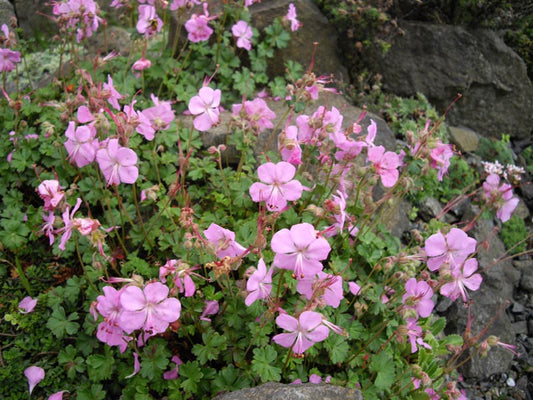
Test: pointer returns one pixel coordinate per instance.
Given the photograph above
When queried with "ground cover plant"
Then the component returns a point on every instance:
(138, 264)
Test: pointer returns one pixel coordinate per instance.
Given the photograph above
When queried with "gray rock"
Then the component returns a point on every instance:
(279, 391)
(465, 139)
(429, 208)
(441, 61)
(6, 12)
(33, 17)
(315, 28)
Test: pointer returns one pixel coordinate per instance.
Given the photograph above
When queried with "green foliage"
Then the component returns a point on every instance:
(492, 150)
(514, 235)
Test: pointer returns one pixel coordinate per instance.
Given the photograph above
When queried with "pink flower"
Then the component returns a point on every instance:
(8, 59)
(118, 164)
(160, 116)
(451, 249)
(198, 28)
(289, 147)
(141, 64)
(355, 289)
(114, 96)
(224, 241)
(259, 285)
(291, 17)
(109, 307)
(173, 373)
(205, 106)
(440, 158)
(211, 308)
(322, 286)
(255, 115)
(27, 305)
(51, 193)
(418, 297)
(149, 22)
(34, 375)
(463, 276)
(243, 32)
(304, 331)
(300, 250)
(277, 186)
(81, 144)
(501, 197)
(68, 219)
(414, 332)
(149, 309)
(385, 163)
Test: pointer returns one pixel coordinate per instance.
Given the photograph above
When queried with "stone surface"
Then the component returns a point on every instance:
(6, 12)
(315, 28)
(279, 391)
(466, 140)
(33, 17)
(441, 61)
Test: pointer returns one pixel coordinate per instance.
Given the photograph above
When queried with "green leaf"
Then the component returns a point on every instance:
(93, 392)
(214, 344)
(155, 360)
(100, 367)
(337, 347)
(383, 365)
(438, 326)
(263, 364)
(59, 324)
(192, 372)
(454, 340)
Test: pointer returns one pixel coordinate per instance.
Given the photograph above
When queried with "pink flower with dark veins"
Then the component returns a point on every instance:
(277, 185)
(463, 277)
(418, 297)
(118, 164)
(205, 106)
(300, 250)
(303, 332)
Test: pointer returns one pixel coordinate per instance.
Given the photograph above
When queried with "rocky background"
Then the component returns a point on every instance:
(439, 61)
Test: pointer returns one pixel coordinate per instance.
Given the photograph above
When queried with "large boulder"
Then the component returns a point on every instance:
(6, 12)
(279, 391)
(33, 17)
(441, 61)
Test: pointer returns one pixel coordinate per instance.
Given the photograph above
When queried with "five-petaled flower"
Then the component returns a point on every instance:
(277, 186)
(205, 107)
(303, 332)
(259, 285)
(118, 164)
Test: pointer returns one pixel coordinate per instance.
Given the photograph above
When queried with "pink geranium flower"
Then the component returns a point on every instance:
(451, 249)
(418, 297)
(325, 287)
(81, 144)
(501, 197)
(440, 158)
(463, 277)
(255, 115)
(118, 164)
(34, 375)
(259, 285)
(292, 18)
(289, 147)
(277, 186)
(211, 308)
(148, 308)
(205, 106)
(149, 22)
(114, 95)
(8, 59)
(198, 28)
(385, 163)
(303, 332)
(223, 241)
(27, 305)
(68, 221)
(300, 250)
(51, 193)
(110, 308)
(141, 64)
(414, 332)
(243, 32)
(156, 118)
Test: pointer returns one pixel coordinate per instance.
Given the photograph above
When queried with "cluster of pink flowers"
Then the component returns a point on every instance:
(132, 308)
(84, 15)
(198, 26)
(254, 115)
(449, 255)
(8, 57)
(149, 22)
